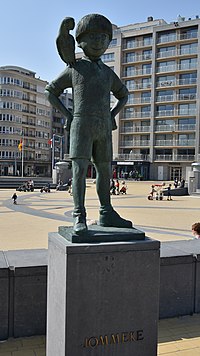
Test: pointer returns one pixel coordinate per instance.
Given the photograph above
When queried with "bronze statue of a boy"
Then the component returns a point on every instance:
(92, 121)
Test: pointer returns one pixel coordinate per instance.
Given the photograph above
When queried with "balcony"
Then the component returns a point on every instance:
(169, 83)
(165, 128)
(166, 39)
(177, 52)
(175, 158)
(177, 67)
(172, 143)
(163, 98)
(186, 127)
(137, 114)
(172, 128)
(189, 81)
(187, 36)
(186, 51)
(165, 113)
(133, 129)
(163, 158)
(166, 54)
(166, 83)
(134, 143)
(164, 143)
(131, 157)
(190, 142)
(137, 86)
(187, 66)
(186, 96)
(179, 97)
(164, 68)
(136, 44)
(145, 100)
(137, 72)
(143, 57)
(180, 112)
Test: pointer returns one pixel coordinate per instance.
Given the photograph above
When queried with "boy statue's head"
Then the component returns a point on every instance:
(93, 35)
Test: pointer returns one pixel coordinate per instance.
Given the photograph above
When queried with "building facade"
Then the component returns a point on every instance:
(158, 130)
(27, 124)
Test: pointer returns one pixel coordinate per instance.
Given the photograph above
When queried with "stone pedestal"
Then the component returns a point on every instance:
(102, 298)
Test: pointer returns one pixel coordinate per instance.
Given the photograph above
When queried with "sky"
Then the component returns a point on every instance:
(29, 27)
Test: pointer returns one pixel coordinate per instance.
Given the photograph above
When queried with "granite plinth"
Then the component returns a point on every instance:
(102, 298)
(28, 289)
(96, 234)
(4, 297)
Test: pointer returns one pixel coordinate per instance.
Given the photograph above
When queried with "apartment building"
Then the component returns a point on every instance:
(158, 130)
(26, 116)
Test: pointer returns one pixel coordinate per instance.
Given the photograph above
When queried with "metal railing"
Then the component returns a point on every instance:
(184, 127)
(131, 157)
(175, 158)
(135, 129)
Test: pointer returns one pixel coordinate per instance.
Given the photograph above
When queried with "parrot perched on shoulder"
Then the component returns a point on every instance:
(65, 41)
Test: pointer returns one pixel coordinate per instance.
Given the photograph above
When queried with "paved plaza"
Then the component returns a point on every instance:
(26, 226)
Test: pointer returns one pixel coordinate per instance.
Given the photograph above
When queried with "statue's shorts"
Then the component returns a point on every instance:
(91, 138)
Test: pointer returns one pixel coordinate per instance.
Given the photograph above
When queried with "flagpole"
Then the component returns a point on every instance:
(53, 153)
(22, 153)
(22, 158)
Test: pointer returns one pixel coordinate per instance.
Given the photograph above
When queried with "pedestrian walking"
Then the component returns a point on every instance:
(169, 197)
(14, 197)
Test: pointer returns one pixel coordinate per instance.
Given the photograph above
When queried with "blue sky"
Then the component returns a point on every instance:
(29, 27)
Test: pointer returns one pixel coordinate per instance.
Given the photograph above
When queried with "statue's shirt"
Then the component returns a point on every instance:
(92, 83)
(91, 127)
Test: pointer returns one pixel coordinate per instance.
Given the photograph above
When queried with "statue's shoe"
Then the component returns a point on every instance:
(80, 225)
(113, 219)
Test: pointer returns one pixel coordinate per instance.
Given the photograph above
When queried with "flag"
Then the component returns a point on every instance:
(50, 142)
(20, 145)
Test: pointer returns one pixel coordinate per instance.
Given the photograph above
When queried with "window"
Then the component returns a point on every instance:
(164, 137)
(188, 48)
(108, 57)
(146, 83)
(167, 36)
(146, 97)
(188, 78)
(186, 139)
(130, 84)
(146, 111)
(187, 121)
(147, 54)
(186, 124)
(147, 40)
(189, 33)
(187, 94)
(166, 66)
(130, 43)
(146, 69)
(166, 80)
(128, 126)
(165, 122)
(187, 109)
(165, 110)
(113, 43)
(129, 57)
(166, 51)
(129, 71)
(130, 99)
(189, 63)
(129, 112)
(165, 95)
